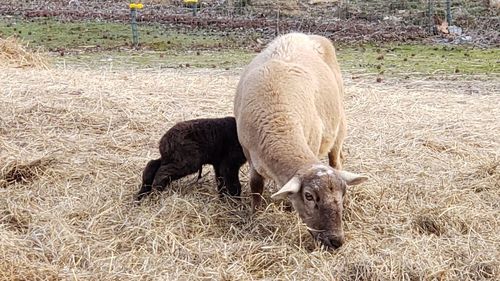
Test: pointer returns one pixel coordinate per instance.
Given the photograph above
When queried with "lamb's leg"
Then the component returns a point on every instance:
(148, 176)
(231, 181)
(170, 172)
(219, 179)
(257, 187)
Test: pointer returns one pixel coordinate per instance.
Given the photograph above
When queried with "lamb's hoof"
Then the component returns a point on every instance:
(225, 193)
(138, 198)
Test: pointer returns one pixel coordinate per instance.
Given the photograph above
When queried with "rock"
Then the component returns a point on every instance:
(464, 39)
(455, 30)
(392, 19)
(312, 2)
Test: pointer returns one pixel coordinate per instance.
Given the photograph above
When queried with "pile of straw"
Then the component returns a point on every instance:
(13, 52)
(78, 141)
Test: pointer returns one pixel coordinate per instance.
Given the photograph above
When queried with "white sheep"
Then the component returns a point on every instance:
(289, 113)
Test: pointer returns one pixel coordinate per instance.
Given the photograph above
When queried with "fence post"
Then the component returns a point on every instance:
(133, 22)
(278, 21)
(346, 9)
(135, 36)
(193, 4)
(448, 12)
(430, 12)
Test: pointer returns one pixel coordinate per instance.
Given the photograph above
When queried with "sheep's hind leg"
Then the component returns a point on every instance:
(219, 179)
(170, 172)
(148, 176)
(257, 187)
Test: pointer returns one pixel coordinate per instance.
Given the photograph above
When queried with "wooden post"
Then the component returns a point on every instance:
(430, 14)
(448, 12)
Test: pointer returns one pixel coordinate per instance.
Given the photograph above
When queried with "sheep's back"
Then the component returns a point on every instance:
(205, 139)
(289, 101)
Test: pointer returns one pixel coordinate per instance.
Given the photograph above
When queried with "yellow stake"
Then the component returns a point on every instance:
(136, 6)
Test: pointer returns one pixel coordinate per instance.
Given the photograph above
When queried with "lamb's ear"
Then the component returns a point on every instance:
(352, 178)
(292, 186)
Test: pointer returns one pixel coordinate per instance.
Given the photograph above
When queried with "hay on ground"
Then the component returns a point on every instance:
(428, 212)
(13, 52)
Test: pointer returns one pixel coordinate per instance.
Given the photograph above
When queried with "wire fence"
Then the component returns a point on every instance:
(342, 20)
(424, 13)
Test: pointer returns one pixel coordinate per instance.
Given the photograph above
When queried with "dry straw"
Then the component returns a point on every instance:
(13, 52)
(74, 142)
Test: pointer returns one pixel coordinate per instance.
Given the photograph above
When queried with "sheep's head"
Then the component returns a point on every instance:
(317, 195)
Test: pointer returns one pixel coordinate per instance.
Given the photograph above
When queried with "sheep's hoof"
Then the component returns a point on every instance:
(256, 203)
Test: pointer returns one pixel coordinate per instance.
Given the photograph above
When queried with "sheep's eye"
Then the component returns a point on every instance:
(309, 196)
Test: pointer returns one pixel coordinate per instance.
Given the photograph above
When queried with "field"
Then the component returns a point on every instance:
(74, 142)
(78, 124)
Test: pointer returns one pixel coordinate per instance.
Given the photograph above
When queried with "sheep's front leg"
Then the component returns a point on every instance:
(148, 176)
(257, 187)
(335, 158)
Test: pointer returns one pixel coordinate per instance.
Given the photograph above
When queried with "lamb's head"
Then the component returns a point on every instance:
(317, 194)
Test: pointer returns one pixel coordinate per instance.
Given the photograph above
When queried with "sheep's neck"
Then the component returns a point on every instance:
(286, 159)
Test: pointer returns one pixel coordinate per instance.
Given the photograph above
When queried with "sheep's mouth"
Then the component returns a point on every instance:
(328, 240)
(314, 231)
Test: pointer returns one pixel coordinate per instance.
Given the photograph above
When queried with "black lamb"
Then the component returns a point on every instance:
(187, 146)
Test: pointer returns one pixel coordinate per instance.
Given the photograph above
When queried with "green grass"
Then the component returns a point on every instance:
(163, 47)
(52, 34)
(420, 59)
(202, 59)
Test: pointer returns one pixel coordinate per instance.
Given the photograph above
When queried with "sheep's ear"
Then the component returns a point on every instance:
(292, 186)
(352, 178)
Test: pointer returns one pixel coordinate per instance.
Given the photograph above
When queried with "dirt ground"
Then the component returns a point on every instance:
(73, 143)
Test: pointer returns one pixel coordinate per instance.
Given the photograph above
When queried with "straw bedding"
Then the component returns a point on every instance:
(73, 143)
(15, 52)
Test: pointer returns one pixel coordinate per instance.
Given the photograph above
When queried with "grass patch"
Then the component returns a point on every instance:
(420, 59)
(52, 34)
(103, 43)
(153, 59)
